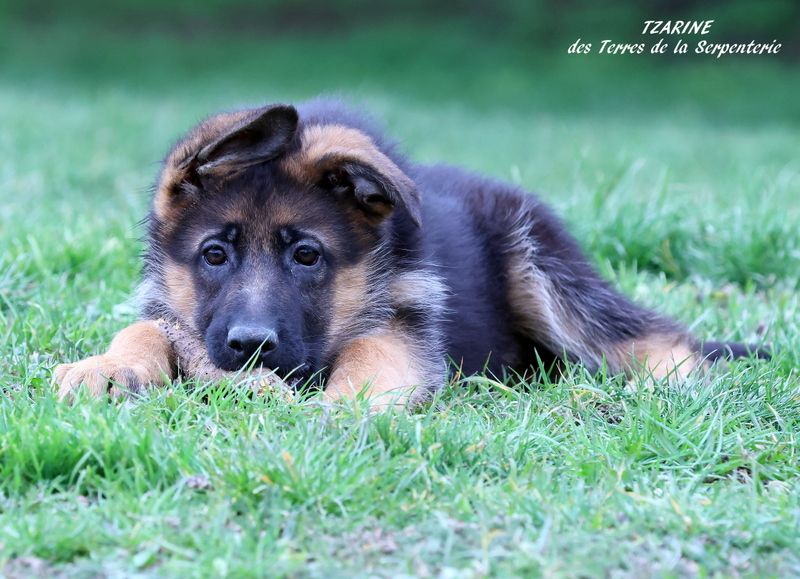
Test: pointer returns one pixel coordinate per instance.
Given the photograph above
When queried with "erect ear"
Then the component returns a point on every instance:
(253, 140)
(377, 188)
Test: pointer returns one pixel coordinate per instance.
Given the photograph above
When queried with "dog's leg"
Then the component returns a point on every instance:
(140, 355)
(593, 324)
(382, 367)
(562, 304)
(658, 355)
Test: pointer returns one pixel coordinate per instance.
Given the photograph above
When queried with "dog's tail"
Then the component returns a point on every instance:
(713, 351)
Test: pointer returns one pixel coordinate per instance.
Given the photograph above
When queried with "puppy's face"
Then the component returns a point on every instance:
(265, 240)
(264, 254)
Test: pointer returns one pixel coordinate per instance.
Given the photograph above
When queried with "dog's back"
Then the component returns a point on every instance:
(522, 289)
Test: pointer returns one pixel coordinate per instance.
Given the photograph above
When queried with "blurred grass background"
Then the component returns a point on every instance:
(500, 54)
(681, 176)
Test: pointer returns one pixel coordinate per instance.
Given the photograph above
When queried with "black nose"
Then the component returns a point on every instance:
(246, 340)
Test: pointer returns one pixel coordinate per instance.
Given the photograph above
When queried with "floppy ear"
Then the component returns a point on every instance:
(221, 145)
(376, 191)
(253, 140)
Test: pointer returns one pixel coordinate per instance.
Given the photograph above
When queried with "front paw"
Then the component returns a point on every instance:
(102, 375)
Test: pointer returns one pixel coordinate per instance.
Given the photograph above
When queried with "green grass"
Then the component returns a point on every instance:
(682, 181)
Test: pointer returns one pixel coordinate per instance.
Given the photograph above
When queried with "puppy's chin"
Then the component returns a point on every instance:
(297, 374)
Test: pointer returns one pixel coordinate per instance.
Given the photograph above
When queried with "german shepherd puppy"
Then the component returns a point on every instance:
(298, 240)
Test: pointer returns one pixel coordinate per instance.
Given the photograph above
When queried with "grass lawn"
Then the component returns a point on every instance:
(683, 181)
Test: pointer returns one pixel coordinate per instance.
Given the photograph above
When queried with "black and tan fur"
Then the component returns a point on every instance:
(417, 268)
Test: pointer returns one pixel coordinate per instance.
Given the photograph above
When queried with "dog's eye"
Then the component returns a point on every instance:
(215, 255)
(305, 255)
(333, 180)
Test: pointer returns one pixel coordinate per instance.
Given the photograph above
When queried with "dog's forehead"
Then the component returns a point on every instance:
(265, 214)
(262, 208)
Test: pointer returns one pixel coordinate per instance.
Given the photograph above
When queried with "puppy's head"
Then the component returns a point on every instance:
(263, 235)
